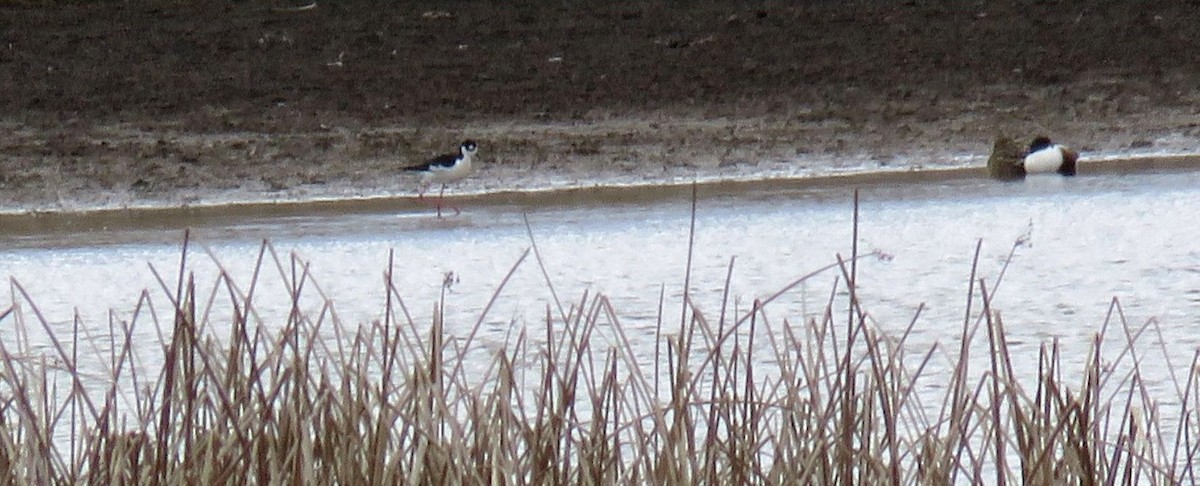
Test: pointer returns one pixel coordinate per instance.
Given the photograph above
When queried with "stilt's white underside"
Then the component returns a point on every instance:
(446, 175)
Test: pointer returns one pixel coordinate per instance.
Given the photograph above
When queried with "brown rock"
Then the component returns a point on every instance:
(1005, 161)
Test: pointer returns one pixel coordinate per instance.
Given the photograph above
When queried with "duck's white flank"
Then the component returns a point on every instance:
(1045, 160)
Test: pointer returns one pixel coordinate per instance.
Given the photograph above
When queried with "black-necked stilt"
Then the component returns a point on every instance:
(445, 169)
(1045, 156)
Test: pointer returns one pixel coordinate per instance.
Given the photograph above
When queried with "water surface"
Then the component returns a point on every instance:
(1076, 245)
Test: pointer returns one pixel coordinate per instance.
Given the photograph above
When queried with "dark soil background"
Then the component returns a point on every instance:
(115, 103)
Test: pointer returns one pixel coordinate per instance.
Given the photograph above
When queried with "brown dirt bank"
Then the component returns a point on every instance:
(178, 102)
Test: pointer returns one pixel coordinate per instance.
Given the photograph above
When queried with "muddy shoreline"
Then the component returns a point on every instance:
(18, 224)
(188, 104)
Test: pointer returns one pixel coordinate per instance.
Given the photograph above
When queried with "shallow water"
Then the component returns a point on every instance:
(1082, 242)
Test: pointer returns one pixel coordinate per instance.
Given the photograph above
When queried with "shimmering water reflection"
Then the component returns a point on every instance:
(1066, 248)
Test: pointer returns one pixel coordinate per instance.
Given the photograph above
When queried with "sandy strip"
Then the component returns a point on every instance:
(16, 224)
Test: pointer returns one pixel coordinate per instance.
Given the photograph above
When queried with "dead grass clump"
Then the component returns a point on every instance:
(731, 396)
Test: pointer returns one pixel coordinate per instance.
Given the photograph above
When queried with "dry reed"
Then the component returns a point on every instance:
(833, 401)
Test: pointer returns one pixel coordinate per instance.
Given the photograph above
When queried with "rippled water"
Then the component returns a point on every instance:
(1083, 242)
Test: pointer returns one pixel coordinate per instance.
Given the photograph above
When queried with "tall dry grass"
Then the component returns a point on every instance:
(833, 400)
